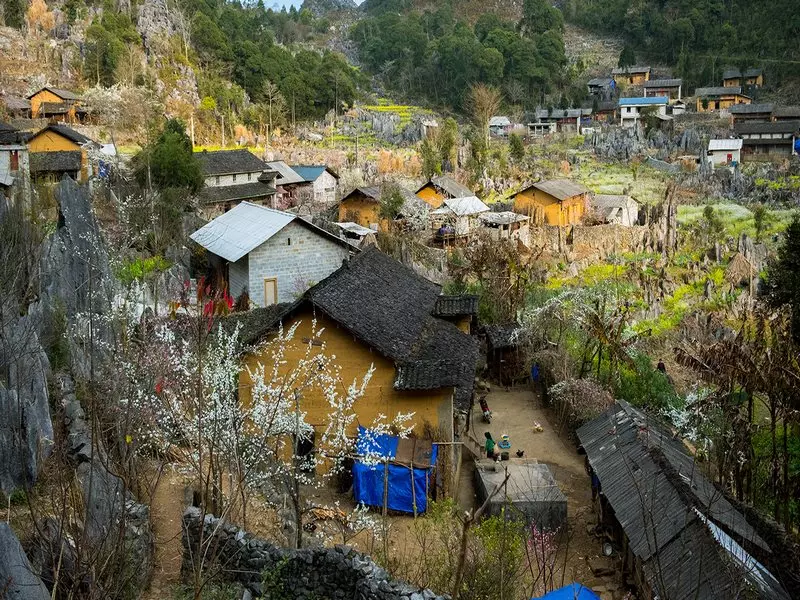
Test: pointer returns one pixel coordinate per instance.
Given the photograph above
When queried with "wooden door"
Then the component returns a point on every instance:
(270, 291)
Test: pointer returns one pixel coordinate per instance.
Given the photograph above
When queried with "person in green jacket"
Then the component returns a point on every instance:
(490, 444)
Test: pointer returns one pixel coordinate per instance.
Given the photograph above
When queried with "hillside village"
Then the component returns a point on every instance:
(267, 332)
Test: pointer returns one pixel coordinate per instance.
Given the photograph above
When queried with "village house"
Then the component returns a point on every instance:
(750, 78)
(631, 75)
(616, 209)
(363, 205)
(568, 119)
(56, 105)
(499, 126)
(786, 113)
(602, 88)
(437, 188)
(58, 150)
(14, 164)
(724, 152)
(355, 234)
(557, 202)
(767, 140)
(270, 255)
(287, 184)
(540, 129)
(16, 107)
(632, 109)
(505, 225)
(231, 177)
(751, 112)
(671, 88)
(457, 218)
(711, 99)
(320, 183)
(376, 312)
(605, 111)
(678, 535)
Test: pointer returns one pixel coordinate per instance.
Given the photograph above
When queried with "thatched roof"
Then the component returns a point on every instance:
(739, 270)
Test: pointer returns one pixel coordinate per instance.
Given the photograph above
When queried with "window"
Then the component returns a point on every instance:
(249, 177)
(288, 241)
(216, 180)
(234, 178)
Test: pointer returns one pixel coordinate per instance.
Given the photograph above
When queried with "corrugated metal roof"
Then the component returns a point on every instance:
(732, 144)
(286, 175)
(611, 201)
(354, 228)
(642, 101)
(718, 91)
(241, 230)
(499, 122)
(503, 218)
(601, 82)
(462, 207)
(310, 173)
(654, 486)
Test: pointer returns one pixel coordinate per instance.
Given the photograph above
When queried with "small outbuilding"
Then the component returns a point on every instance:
(499, 126)
(458, 216)
(505, 225)
(724, 152)
(531, 492)
(618, 210)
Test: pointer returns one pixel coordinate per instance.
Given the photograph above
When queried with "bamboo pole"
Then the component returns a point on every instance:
(413, 490)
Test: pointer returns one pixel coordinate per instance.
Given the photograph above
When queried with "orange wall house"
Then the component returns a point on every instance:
(59, 141)
(361, 206)
(434, 407)
(559, 202)
(57, 105)
(437, 189)
(631, 75)
(719, 98)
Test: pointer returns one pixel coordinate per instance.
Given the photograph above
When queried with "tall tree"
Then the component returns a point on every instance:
(784, 275)
(627, 58)
(483, 102)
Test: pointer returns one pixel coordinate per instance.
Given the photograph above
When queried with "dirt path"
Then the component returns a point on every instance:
(166, 510)
(514, 413)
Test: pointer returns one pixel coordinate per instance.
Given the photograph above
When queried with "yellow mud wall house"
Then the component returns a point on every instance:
(712, 99)
(375, 311)
(558, 202)
(57, 150)
(631, 75)
(437, 189)
(361, 206)
(55, 104)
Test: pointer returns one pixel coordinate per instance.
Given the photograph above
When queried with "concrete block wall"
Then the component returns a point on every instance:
(298, 257)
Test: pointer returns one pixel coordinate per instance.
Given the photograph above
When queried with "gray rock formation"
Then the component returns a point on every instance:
(338, 572)
(26, 432)
(321, 8)
(16, 574)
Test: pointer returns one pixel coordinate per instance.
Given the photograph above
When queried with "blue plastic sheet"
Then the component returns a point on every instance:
(368, 479)
(573, 591)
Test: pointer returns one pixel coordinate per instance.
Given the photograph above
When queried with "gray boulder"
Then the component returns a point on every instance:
(26, 431)
(18, 579)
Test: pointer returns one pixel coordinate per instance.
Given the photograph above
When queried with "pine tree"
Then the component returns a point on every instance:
(784, 275)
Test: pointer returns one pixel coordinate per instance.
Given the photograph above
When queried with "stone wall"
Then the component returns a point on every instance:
(584, 240)
(335, 573)
(308, 259)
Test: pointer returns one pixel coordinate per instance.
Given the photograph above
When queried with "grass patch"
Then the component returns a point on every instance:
(737, 219)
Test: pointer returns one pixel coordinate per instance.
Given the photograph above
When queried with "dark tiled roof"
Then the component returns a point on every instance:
(501, 336)
(228, 162)
(8, 134)
(65, 94)
(66, 132)
(561, 189)
(227, 193)
(676, 520)
(16, 104)
(750, 109)
(257, 323)
(456, 306)
(766, 127)
(659, 83)
(601, 81)
(731, 74)
(790, 112)
(55, 162)
(629, 70)
(54, 108)
(390, 308)
(449, 186)
(717, 91)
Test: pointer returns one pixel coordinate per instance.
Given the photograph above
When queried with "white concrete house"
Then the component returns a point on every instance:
(322, 181)
(631, 109)
(14, 164)
(619, 210)
(272, 255)
(724, 152)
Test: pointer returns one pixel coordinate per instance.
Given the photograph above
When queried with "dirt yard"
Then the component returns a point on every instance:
(515, 413)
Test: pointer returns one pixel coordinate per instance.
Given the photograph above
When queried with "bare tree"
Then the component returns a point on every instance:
(483, 102)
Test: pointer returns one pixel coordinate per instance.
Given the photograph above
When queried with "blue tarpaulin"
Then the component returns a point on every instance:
(573, 591)
(368, 479)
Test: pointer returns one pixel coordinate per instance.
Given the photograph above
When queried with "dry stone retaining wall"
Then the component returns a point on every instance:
(268, 571)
